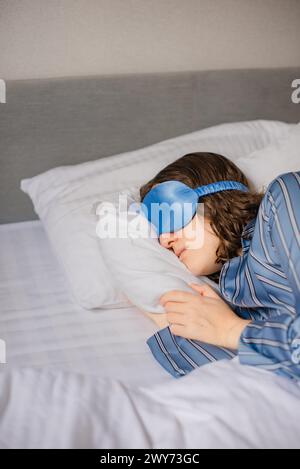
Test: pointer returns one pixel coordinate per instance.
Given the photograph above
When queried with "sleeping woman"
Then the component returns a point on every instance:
(250, 247)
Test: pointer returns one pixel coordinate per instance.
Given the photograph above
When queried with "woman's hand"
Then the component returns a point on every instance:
(205, 317)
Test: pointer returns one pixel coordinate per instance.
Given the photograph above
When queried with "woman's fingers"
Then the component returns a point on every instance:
(175, 295)
(177, 329)
(205, 290)
(176, 318)
(182, 296)
(172, 306)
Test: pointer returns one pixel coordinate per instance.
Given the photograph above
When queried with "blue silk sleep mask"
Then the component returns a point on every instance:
(171, 205)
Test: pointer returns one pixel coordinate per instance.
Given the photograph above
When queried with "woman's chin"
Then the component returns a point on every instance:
(192, 269)
(195, 269)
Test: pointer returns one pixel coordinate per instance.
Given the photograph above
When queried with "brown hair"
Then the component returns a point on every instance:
(228, 211)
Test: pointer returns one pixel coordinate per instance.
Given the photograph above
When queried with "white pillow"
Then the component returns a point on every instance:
(282, 156)
(143, 269)
(63, 197)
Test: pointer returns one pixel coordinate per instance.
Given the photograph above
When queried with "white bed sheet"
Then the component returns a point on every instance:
(224, 405)
(43, 327)
(81, 379)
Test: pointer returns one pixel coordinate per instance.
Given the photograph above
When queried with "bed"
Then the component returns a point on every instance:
(85, 377)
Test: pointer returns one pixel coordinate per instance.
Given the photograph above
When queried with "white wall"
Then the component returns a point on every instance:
(47, 38)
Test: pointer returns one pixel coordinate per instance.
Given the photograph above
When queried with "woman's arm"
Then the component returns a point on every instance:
(205, 317)
(275, 343)
(270, 343)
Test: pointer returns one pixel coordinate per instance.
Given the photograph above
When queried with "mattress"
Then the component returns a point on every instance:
(43, 327)
(80, 379)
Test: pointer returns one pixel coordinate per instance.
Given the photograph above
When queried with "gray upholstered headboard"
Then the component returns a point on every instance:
(46, 123)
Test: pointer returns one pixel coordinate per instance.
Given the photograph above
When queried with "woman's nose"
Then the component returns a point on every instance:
(166, 239)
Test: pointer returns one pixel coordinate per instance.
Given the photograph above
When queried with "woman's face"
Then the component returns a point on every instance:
(195, 245)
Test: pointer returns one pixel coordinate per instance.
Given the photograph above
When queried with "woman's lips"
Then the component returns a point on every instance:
(182, 252)
(178, 253)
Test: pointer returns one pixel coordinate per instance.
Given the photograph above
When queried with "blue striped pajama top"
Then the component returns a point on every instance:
(263, 284)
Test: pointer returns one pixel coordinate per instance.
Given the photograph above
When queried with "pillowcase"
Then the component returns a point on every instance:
(282, 156)
(64, 197)
(143, 269)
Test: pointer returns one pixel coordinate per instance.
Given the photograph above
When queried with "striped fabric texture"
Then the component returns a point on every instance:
(263, 284)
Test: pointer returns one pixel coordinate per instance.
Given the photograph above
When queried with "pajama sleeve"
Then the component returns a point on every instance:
(275, 343)
(179, 356)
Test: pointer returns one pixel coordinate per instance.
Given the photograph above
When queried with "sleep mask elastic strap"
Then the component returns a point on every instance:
(220, 186)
